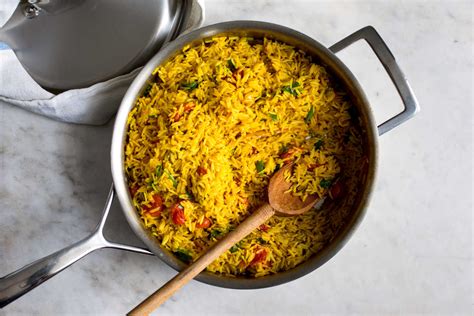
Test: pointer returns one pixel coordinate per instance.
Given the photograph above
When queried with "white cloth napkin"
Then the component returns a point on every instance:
(93, 105)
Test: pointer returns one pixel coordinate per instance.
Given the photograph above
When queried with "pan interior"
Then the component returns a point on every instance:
(320, 55)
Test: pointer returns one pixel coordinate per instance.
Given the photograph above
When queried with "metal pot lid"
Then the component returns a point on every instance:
(70, 44)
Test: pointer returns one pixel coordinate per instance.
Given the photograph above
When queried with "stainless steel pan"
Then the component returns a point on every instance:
(18, 283)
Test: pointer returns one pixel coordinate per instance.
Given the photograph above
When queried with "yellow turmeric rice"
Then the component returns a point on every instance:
(214, 124)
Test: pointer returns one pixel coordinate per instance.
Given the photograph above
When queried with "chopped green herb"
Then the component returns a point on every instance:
(183, 196)
(325, 184)
(150, 184)
(260, 165)
(231, 65)
(170, 176)
(236, 247)
(283, 149)
(190, 85)
(190, 196)
(310, 115)
(318, 144)
(273, 116)
(291, 88)
(262, 241)
(215, 233)
(159, 171)
(183, 255)
(147, 89)
(186, 196)
(287, 89)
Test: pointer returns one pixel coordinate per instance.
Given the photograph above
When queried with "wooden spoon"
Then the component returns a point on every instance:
(280, 203)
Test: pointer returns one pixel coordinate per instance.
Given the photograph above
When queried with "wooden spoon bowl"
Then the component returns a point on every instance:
(284, 203)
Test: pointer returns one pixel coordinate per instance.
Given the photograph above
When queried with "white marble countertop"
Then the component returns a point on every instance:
(411, 255)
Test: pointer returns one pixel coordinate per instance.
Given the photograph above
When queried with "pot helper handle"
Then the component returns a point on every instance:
(370, 35)
(18, 283)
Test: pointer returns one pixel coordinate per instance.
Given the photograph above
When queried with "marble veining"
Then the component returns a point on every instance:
(412, 254)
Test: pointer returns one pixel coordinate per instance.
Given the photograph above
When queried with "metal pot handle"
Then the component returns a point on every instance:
(18, 283)
(370, 35)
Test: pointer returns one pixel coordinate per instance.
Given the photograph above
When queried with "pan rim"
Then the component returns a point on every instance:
(119, 137)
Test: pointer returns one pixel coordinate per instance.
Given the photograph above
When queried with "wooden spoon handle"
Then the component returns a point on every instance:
(246, 227)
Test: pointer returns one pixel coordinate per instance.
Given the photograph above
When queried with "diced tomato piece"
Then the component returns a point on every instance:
(155, 207)
(201, 171)
(336, 190)
(176, 117)
(133, 190)
(155, 213)
(177, 214)
(157, 201)
(287, 157)
(206, 223)
(260, 256)
(188, 107)
(264, 228)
